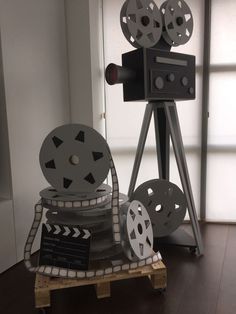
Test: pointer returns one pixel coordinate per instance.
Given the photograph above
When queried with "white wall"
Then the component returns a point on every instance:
(7, 233)
(36, 85)
(7, 228)
(5, 177)
(53, 74)
(85, 61)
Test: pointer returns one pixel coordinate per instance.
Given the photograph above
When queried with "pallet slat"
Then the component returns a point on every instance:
(103, 290)
(43, 285)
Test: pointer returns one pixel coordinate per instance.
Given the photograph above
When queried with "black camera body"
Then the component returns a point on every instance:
(158, 75)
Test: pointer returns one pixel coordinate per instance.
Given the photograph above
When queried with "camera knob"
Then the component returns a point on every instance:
(171, 77)
(184, 81)
(159, 83)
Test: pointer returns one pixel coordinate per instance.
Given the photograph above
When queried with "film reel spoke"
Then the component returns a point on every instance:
(189, 26)
(139, 4)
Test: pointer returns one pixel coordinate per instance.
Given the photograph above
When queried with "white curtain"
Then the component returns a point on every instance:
(124, 119)
(221, 174)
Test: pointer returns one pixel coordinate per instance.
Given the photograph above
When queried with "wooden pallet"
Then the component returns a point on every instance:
(44, 285)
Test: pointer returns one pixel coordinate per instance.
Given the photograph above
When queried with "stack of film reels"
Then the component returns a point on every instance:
(87, 221)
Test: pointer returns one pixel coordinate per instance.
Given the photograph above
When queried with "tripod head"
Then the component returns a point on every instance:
(152, 72)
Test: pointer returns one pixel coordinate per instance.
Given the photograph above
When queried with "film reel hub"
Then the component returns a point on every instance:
(74, 160)
(145, 20)
(179, 20)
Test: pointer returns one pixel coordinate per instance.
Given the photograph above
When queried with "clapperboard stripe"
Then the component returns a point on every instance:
(66, 231)
(76, 233)
(48, 228)
(65, 246)
(58, 230)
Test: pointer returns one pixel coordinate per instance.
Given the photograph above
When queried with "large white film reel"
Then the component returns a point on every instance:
(177, 22)
(75, 158)
(141, 23)
(138, 242)
(165, 204)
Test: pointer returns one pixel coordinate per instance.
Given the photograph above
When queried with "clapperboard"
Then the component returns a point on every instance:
(65, 246)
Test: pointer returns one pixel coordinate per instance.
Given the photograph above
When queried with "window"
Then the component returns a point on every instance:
(221, 174)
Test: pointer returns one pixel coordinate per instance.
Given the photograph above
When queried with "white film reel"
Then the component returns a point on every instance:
(77, 201)
(177, 22)
(141, 23)
(75, 159)
(165, 204)
(138, 242)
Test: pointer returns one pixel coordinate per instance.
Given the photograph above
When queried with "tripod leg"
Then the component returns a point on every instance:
(140, 148)
(162, 134)
(173, 121)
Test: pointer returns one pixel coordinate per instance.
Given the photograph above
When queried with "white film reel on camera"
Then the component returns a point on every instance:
(143, 24)
(177, 22)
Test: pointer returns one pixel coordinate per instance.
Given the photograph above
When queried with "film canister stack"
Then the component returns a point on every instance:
(88, 222)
